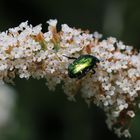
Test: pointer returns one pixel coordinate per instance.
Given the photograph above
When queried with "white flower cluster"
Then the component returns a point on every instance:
(27, 52)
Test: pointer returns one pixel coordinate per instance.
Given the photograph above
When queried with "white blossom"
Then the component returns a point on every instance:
(27, 52)
(52, 22)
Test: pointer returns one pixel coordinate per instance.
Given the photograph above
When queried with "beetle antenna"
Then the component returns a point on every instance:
(70, 57)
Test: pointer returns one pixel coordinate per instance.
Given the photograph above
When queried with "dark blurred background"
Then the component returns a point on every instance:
(40, 114)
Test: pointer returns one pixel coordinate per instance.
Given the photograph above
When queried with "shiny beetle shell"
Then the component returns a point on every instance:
(82, 65)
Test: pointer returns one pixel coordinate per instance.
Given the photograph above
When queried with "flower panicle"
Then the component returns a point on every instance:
(27, 52)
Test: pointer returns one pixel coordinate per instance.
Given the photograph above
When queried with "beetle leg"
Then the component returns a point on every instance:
(70, 57)
(93, 71)
(95, 65)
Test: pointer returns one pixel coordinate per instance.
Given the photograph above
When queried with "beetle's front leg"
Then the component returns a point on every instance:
(70, 57)
(93, 71)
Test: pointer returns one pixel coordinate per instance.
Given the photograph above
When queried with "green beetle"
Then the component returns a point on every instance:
(82, 65)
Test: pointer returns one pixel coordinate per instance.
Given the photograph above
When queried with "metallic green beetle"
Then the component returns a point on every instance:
(82, 65)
